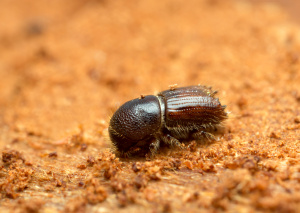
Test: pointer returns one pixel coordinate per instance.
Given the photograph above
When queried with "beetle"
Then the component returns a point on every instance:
(174, 115)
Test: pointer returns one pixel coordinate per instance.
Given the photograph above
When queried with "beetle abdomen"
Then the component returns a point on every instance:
(192, 106)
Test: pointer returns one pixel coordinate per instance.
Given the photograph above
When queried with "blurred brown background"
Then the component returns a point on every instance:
(65, 66)
(291, 7)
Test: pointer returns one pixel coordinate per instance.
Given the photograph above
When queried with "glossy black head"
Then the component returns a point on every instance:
(134, 121)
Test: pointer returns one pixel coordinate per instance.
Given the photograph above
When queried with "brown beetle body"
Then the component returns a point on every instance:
(186, 113)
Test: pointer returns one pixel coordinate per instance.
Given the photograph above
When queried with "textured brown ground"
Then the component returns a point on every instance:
(66, 65)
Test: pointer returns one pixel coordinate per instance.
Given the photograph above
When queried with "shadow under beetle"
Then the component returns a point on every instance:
(185, 113)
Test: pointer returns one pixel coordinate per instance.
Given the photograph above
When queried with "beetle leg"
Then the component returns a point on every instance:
(154, 146)
(168, 139)
(201, 134)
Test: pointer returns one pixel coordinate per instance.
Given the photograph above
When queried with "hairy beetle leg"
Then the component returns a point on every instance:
(201, 134)
(154, 146)
(168, 139)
